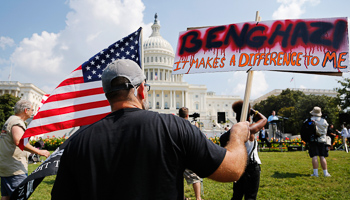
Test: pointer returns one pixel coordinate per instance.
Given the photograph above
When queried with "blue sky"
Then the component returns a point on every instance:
(45, 40)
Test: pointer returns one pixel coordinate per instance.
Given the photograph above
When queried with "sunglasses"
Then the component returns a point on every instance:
(148, 87)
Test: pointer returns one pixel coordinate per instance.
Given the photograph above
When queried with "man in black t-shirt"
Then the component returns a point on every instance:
(331, 133)
(137, 154)
(190, 176)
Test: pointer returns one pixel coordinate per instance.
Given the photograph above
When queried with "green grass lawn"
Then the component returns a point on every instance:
(285, 175)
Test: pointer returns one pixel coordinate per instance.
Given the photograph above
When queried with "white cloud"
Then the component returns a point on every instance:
(37, 53)
(302, 87)
(6, 41)
(46, 59)
(259, 86)
(292, 9)
(239, 81)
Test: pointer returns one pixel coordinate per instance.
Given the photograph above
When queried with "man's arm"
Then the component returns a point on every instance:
(260, 122)
(234, 163)
(17, 133)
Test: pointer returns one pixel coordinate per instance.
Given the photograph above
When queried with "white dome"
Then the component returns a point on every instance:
(156, 41)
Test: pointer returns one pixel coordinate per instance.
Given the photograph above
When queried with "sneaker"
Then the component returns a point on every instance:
(327, 175)
(315, 175)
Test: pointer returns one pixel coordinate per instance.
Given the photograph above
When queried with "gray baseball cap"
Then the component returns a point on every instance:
(122, 68)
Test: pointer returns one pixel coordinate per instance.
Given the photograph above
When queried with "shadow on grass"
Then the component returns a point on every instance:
(50, 182)
(286, 175)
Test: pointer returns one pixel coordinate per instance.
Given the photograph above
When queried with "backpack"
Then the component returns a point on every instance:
(308, 130)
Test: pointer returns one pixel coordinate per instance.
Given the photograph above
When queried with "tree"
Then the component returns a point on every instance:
(330, 109)
(344, 93)
(294, 107)
(7, 102)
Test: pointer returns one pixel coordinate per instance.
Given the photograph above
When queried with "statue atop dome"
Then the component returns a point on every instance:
(155, 27)
(155, 18)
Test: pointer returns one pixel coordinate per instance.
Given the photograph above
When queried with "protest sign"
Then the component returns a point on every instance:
(304, 45)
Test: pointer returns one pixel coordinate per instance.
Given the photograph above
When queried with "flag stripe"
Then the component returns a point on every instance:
(69, 102)
(69, 116)
(75, 87)
(64, 124)
(71, 81)
(75, 94)
(70, 109)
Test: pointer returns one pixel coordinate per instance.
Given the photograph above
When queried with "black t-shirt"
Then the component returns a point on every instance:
(329, 131)
(134, 154)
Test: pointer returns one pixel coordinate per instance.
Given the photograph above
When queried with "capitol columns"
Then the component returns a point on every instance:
(202, 102)
(186, 98)
(154, 100)
(183, 99)
(171, 99)
(174, 99)
(162, 106)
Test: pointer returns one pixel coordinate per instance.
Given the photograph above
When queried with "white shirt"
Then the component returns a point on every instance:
(249, 145)
(344, 132)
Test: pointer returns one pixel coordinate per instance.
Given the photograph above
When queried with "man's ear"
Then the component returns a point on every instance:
(141, 91)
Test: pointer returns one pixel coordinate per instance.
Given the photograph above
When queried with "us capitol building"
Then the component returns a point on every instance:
(168, 92)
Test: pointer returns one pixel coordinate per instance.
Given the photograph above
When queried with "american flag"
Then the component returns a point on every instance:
(79, 99)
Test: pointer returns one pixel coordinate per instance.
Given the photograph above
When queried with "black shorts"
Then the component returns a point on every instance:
(318, 149)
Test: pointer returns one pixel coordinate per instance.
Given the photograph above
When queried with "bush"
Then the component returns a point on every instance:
(215, 140)
(338, 141)
(51, 144)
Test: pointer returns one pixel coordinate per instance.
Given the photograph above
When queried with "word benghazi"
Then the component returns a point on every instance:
(289, 34)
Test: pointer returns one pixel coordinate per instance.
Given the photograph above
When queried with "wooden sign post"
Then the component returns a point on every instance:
(248, 87)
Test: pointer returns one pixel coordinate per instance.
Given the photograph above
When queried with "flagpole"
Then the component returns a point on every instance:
(142, 53)
(248, 87)
(9, 78)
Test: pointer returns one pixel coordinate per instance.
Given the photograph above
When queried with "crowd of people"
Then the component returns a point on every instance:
(134, 153)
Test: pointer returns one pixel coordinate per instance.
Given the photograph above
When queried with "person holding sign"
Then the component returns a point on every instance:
(248, 184)
(134, 153)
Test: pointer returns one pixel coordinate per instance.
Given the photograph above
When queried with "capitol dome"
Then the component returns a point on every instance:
(159, 57)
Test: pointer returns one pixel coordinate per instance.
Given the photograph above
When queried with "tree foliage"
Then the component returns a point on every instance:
(344, 93)
(294, 107)
(7, 102)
